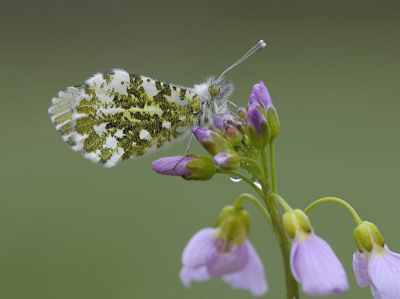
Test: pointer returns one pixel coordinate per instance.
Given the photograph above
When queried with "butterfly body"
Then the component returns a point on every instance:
(117, 115)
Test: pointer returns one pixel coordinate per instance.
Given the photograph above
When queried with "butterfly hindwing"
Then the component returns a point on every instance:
(117, 115)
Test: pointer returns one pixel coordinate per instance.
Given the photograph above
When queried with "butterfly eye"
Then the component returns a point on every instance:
(214, 90)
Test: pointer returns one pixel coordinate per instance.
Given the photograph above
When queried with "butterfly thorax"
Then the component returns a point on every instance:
(213, 95)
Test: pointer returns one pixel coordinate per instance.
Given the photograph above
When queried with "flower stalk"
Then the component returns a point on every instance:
(292, 287)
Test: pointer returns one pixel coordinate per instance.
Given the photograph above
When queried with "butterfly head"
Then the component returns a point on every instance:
(220, 90)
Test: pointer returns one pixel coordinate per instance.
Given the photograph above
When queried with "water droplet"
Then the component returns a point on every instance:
(257, 183)
(235, 179)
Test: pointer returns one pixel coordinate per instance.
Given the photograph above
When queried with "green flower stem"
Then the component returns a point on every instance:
(254, 164)
(246, 151)
(244, 178)
(338, 200)
(292, 287)
(264, 158)
(272, 160)
(255, 175)
(239, 200)
(283, 203)
(257, 156)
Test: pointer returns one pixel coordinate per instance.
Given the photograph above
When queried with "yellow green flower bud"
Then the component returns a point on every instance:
(297, 223)
(368, 237)
(233, 225)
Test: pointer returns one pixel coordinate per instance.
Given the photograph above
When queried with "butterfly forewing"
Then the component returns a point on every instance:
(117, 115)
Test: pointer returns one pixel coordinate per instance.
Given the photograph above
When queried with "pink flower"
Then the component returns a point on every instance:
(312, 260)
(206, 256)
(316, 267)
(380, 270)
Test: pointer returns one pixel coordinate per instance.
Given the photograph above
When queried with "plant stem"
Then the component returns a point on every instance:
(239, 201)
(264, 163)
(272, 159)
(254, 164)
(338, 200)
(292, 287)
(283, 203)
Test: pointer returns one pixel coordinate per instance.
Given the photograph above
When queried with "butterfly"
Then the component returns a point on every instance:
(117, 115)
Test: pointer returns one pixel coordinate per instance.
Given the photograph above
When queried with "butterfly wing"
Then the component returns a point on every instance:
(117, 115)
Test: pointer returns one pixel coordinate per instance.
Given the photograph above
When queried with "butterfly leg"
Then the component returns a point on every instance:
(233, 104)
(187, 150)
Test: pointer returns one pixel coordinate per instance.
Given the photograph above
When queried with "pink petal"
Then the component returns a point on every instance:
(384, 273)
(375, 293)
(316, 267)
(360, 267)
(199, 249)
(187, 275)
(252, 277)
(229, 262)
(169, 166)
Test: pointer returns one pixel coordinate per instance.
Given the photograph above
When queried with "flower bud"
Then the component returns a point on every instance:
(367, 237)
(233, 225)
(260, 96)
(201, 168)
(228, 160)
(219, 122)
(212, 142)
(191, 167)
(232, 133)
(296, 223)
(246, 140)
(258, 129)
(273, 121)
(240, 127)
(241, 112)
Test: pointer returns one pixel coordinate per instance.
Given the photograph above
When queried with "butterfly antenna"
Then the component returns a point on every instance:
(257, 47)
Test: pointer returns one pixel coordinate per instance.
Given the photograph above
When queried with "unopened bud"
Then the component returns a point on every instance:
(241, 112)
(211, 141)
(201, 168)
(228, 160)
(240, 127)
(233, 225)
(368, 237)
(297, 223)
(257, 128)
(273, 121)
(232, 133)
(190, 167)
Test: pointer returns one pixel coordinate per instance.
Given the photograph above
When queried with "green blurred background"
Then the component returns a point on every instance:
(70, 229)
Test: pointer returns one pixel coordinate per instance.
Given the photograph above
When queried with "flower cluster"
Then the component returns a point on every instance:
(238, 141)
(248, 130)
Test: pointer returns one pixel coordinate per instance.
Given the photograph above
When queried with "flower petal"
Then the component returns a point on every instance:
(200, 249)
(255, 119)
(260, 96)
(166, 166)
(375, 293)
(219, 122)
(252, 277)
(229, 262)
(316, 267)
(384, 273)
(187, 275)
(360, 267)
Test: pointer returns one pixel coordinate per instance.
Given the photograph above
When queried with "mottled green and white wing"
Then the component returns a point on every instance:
(117, 115)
